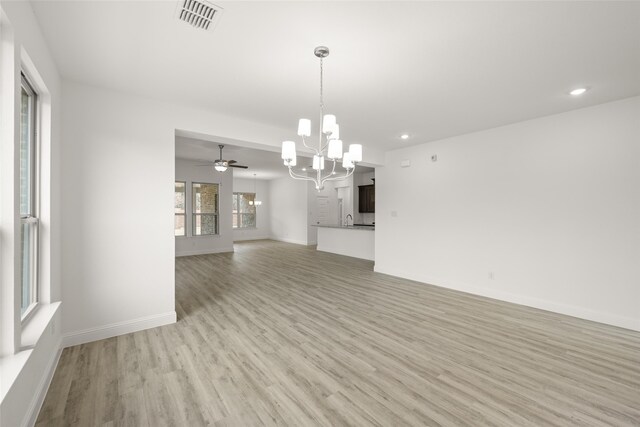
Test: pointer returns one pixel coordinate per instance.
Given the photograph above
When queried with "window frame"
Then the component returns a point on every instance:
(238, 214)
(181, 214)
(194, 215)
(31, 218)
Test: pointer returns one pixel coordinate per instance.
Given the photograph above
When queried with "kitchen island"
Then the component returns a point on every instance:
(356, 240)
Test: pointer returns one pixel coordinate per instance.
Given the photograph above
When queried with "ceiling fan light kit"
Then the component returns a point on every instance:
(328, 141)
(221, 165)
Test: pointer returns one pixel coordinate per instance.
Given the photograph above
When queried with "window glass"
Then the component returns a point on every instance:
(180, 199)
(204, 202)
(28, 215)
(26, 150)
(244, 210)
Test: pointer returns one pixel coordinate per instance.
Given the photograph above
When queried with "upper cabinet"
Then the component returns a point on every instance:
(367, 198)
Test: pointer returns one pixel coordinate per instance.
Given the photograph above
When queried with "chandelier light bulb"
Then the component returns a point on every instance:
(335, 133)
(328, 123)
(346, 161)
(288, 150)
(355, 152)
(318, 162)
(335, 149)
(304, 127)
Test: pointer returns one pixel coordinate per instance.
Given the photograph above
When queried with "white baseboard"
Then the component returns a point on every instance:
(248, 238)
(287, 240)
(555, 307)
(204, 251)
(119, 328)
(43, 386)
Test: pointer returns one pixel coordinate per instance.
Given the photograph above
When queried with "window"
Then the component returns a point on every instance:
(28, 200)
(180, 198)
(204, 201)
(244, 211)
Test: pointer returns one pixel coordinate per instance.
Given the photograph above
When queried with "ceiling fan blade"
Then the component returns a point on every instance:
(232, 161)
(238, 166)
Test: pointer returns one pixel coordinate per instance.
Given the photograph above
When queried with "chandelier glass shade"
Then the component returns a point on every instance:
(329, 149)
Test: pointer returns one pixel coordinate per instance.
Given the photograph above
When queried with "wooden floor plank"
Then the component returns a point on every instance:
(280, 334)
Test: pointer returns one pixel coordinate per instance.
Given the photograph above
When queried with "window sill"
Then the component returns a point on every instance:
(32, 331)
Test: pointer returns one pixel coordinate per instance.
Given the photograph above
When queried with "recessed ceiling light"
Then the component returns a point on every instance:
(404, 136)
(578, 91)
(304, 169)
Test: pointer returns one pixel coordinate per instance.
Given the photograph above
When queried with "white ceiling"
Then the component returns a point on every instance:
(431, 69)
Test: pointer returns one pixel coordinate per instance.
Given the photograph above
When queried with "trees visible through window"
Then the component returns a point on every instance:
(204, 199)
(28, 200)
(244, 210)
(180, 199)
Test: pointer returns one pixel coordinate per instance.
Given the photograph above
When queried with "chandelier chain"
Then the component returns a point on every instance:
(319, 151)
(321, 84)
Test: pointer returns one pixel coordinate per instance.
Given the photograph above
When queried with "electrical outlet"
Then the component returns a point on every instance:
(434, 158)
(394, 214)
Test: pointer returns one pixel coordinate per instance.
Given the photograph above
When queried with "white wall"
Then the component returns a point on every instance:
(26, 368)
(188, 171)
(118, 175)
(263, 219)
(288, 210)
(550, 206)
(118, 250)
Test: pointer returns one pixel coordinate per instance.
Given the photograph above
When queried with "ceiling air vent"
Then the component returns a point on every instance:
(199, 13)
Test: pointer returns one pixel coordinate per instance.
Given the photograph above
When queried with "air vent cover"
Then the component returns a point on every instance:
(199, 13)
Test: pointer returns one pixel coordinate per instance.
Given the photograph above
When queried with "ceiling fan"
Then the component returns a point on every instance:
(221, 164)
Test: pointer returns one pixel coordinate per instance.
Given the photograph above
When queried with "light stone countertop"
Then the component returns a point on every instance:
(350, 227)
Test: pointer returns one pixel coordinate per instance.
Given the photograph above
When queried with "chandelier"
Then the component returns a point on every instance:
(328, 140)
(255, 202)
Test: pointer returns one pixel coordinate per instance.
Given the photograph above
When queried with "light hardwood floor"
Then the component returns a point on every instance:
(279, 334)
